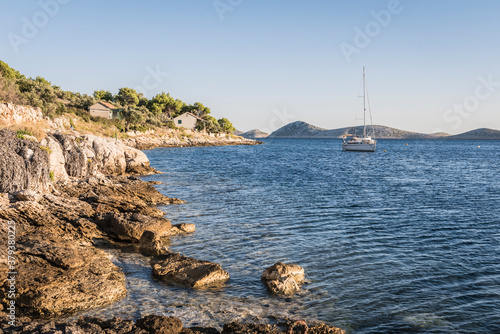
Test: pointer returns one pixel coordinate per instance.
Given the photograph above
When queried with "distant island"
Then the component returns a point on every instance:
(252, 134)
(301, 129)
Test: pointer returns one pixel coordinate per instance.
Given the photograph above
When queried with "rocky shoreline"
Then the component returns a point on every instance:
(63, 197)
(184, 138)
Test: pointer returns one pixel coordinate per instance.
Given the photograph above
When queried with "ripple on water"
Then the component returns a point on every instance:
(395, 242)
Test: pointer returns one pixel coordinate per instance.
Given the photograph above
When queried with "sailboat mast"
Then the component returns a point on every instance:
(364, 103)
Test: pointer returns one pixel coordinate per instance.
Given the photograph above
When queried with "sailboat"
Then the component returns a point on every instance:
(366, 143)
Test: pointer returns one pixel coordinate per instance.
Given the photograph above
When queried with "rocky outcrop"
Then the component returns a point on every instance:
(57, 276)
(283, 279)
(87, 155)
(23, 165)
(60, 272)
(15, 114)
(174, 267)
(57, 159)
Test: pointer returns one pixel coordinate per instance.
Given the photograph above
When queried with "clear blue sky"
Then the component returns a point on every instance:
(264, 63)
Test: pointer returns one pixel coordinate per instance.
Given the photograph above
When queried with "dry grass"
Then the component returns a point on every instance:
(38, 129)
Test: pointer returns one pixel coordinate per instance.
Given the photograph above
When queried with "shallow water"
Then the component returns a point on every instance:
(401, 241)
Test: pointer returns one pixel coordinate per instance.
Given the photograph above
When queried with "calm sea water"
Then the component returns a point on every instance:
(405, 240)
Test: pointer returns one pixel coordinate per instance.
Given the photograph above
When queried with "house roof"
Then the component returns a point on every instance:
(192, 115)
(107, 104)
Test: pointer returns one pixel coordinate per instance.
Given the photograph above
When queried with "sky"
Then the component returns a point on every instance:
(430, 65)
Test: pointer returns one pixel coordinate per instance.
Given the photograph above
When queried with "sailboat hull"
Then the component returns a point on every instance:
(359, 147)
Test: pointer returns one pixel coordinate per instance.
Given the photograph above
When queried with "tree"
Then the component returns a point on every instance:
(103, 95)
(211, 124)
(197, 109)
(128, 97)
(133, 116)
(8, 72)
(165, 105)
(226, 125)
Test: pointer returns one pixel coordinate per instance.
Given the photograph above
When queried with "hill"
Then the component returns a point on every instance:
(301, 129)
(479, 134)
(255, 133)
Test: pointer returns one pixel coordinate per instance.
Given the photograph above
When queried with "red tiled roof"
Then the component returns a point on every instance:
(107, 104)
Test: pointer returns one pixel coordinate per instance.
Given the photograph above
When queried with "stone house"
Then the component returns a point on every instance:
(187, 121)
(105, 109)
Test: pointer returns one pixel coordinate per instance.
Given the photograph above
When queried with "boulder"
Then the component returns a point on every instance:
(57, 162)
(181, 229)
(160, 324)
(131, 226)
(174, 267)
(283, 279)
(23, 165)
(136, 161)
(74, 156)
(27, 195)
(151, 245)
(58, 277)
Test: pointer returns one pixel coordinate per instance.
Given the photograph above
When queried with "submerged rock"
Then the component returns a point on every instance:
(283, 279)
(174, 267)
(181, 229)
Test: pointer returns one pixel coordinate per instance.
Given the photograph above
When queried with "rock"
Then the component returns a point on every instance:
(74, 156)
(160, 324)
(27, 195)
(151, 245)
(131, 226)
(173, 267)
(283, 279)
(58, 277)
(137, 162)
(238, 328)
(181, 228)
(23, 165)
(109, 155)
(57, 162)
(15, 114)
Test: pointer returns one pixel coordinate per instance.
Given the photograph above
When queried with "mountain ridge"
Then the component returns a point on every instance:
(300, 129)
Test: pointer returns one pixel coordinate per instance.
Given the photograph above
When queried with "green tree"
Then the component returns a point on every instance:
(8, 72)
(133, 116)
(226, 125)
(211, 124)
(103, 95)
(197, 109)
(165, 105)
(128, 97)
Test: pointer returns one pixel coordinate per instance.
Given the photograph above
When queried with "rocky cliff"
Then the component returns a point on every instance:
(28, 165)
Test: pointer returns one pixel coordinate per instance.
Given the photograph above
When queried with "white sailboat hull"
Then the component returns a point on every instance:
(359, 147)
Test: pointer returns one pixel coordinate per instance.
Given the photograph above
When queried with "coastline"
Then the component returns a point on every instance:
(93, 198)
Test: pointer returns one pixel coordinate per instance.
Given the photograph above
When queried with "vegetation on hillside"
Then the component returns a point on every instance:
(138, 112)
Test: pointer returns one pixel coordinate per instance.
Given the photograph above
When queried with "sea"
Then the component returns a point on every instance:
(403, 240)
